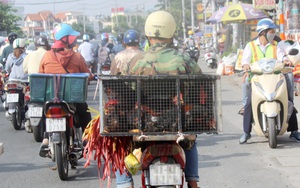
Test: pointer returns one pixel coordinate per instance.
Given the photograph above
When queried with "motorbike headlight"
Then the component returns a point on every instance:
(267, 66)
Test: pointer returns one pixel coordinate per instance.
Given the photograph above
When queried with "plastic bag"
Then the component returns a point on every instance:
(132, 163)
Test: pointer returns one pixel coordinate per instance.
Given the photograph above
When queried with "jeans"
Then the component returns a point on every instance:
(191, 169)
(245, 88)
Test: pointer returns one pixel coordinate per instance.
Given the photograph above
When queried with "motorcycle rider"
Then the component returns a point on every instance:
(14, 63)
(32, 61)
(61, 59)
(161, 58)
(263, 46)
(190, 42)
(131, 42)
(9, 49)
(119, 46)
(104, 50)
(86, 50)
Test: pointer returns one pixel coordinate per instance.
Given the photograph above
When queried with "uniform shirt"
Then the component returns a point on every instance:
(86, 50)
(247, 53)
(120, 62)
(32, 61)
(161, 59)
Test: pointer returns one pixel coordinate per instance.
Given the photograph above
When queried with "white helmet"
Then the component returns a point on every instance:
(85, 37)
(19, 43)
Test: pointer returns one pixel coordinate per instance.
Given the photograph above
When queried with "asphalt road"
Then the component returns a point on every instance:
(223, 162)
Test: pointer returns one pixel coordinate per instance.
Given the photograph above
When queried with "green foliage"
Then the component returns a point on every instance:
(175, 8)
(8, 20)
(80, 28)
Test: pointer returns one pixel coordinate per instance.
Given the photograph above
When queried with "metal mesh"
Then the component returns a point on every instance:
(158, 104)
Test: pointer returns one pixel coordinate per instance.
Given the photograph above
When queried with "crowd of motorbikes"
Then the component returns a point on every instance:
(58, 118)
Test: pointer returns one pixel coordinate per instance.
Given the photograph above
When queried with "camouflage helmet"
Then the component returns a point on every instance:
(160, 24)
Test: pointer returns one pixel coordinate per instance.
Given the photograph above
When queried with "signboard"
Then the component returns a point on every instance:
(264, 4)
(293, 17)
(238, 63)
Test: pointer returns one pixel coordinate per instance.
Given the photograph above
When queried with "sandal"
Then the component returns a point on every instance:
(44, 150)
(241, 112)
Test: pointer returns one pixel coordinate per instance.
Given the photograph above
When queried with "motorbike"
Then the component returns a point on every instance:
(17, 102)
(64, 138)
(161, 122)
(193, 52)
(56, 93)
(270, 106)
(210, 57)
(36, 123)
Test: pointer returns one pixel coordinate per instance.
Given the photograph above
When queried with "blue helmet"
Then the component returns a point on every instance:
(62, 30)
(85, 37)
(264, 24)
(131, 36)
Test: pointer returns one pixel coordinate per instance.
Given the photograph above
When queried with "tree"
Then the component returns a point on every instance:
(175, 8)
(88, 30)
(8, 20)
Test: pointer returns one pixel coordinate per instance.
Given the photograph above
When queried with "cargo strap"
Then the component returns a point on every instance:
(56, 88)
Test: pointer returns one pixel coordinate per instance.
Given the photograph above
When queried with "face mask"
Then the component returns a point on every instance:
(270, 37)
(191, 36)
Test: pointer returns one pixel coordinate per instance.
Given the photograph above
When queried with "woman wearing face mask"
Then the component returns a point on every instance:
(263, 47)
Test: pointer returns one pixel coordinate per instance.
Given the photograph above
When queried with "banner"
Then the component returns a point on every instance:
(264, 4)
(293, 17)
(238, 63)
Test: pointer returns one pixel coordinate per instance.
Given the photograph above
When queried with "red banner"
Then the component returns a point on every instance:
(264, 4)
(119, 9)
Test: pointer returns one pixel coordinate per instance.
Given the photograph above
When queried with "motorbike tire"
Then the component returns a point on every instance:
(38, 131)
(16, 118)
(62, 158)
(272, 136)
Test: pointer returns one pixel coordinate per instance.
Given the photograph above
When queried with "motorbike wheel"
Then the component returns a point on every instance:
(272, 137)
(16, 118)
(38, 131)
(61, 158)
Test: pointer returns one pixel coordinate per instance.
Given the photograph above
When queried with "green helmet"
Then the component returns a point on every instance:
(160, 24)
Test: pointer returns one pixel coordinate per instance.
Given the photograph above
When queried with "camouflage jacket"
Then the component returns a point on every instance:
(161, 59)
(120, 62)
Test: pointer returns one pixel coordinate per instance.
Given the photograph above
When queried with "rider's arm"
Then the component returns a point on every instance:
(247, 56)
(25, 64)
(9, 63)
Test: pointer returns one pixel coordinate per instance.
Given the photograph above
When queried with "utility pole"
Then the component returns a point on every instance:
(183, 20)
(192, 16)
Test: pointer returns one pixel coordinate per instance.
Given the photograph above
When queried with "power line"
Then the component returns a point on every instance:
(44, 3)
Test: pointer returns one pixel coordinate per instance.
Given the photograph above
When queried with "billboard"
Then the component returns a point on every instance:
(264, 4)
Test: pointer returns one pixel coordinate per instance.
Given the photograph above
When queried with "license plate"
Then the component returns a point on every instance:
(165, 174)
(106, 72)
(55, 124)
(12, 98)
(35, 111)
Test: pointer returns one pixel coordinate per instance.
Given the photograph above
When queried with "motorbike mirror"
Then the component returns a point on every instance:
(294, 56)
(293, 51)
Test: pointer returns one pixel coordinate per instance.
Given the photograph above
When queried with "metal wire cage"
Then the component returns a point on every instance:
(153, 105)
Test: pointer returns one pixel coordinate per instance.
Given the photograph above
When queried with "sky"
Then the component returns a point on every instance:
(89, 7)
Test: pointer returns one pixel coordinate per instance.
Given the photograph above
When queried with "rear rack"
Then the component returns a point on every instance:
(159, 105)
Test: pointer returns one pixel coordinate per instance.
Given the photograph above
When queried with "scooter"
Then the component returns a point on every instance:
(270, 106)
(193, 52)
(210, 57)
(17, 102)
